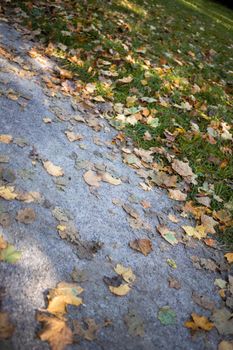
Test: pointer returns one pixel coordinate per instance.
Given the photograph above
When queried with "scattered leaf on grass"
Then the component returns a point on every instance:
(64, 294)
(55, 331)
(126, 273)
(167, 234)
(223, 321)
(26, 216)
(52, 169)
(4, 138)
(89, 331)
(92, 179)
(6, 327)
(184, 170)
(199, 323)
(229, 257)
(7, 193)
(134, 323)
(167, 316)
(122, 290)
(143, 245)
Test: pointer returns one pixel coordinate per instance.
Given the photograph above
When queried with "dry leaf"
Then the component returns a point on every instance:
(63, 294)
(199, 323)
(7, 192)
(106, 177)
(184, 170)
(173, 218)
(73, 137)
(198, 232)
(6, 327)
(142, 245)
(167, 234)
(177, 195)
(209, 223)
(26, 216)
(55, 331)
(174, 283)
(125, 80)
(92, 179)
(52, 169)
(229, 257)
(225, 345)
(47, 120)
(126, 273)
(122, 290)
(4, 138)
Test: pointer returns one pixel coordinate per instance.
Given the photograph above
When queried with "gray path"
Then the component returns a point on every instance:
(47, 259)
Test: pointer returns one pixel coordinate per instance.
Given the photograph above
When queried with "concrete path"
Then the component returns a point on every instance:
(48, 259)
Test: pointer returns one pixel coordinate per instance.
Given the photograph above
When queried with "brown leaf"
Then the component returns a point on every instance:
(203, 301)
(52, 169)
(26, 216)
(92, 179)
(5, 219)
(223, 321)
(134, 323)
(89, 332)
(174, 283)
(6, 327)
(209, 223)
(229, 257)
(131, 211)
(225, 345)
(184, 170)
(199, 323)
(55, 331)
(142, 245)
(72, 136)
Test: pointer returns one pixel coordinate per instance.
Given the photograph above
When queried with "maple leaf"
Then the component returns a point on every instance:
(52, 169)
(55, 331)
(199, 323)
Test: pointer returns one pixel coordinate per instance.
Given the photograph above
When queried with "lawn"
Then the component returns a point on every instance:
(166, 68)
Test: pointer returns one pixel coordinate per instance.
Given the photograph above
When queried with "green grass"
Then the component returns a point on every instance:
(186, 42)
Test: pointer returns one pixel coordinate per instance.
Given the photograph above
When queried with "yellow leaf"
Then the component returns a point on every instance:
(122, 290)
(3, 243)
(199, 322)
(198, 232)
(229, 257)
(7, 192)
(4, 138)
(52, 169)
(62, 295)
(126, 273)
(61, 228)
(55, 331)
(225, 345)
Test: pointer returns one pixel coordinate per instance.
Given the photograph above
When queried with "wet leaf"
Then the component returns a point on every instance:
(55, 331)
(223, 321)
(167, 316)
(199, 323)
(134, 323)
(142, 245)
(26, 216)
(64, 294)
(89, 331)
(6, 327)
(203, 301)
(52, 169)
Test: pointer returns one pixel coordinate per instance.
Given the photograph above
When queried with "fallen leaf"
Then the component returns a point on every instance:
(5, 220)
(4, 138)
(167, 234)
(171, 263)
(92, 179)
(177, 195)
(184, 170)
(52, 169)
(10, 254)
(209, 223)
(196, 232)
(173, 218)
(6, 327)
(47, 120)
(72, 136)
(203, 301)
(64, 294)
(199, 323)
(229, 257)
(126, 273)
(26, 216)
(125, 80)
(223, 321)
(7, 193)
(122, 290)
(167, 316)
(131, 211)
(220, 283)
(143, 245)
(207, 264)
(134, 323)
(90, 330)
(55, 331)
(174, 283)
(225, 345)
(106, 177)
(79, 275)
